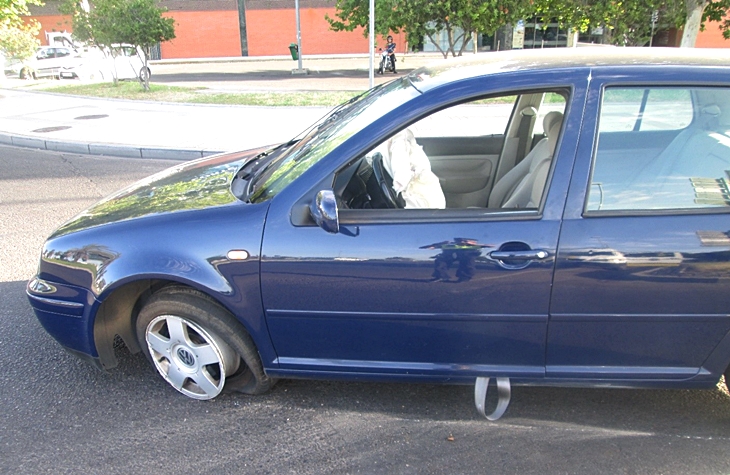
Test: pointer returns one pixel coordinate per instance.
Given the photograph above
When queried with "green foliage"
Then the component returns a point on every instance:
(717, 11)
(421, 18)
(17, 34)
(79, 20)
(352, 14)
(140, 23)
(136, 22)
(628, 22)
(19, 43)
(625, 22)
(109, 22)
(13, 11)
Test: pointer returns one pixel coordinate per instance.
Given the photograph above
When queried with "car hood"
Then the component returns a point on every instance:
(194, 185)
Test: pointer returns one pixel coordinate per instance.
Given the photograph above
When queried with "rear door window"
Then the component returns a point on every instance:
(661, 149)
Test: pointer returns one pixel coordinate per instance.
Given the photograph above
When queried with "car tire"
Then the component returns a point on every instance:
(145, 74)
(27, 73)
(197, 346)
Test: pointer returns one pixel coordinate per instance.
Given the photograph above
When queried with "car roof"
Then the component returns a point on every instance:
(564, 59)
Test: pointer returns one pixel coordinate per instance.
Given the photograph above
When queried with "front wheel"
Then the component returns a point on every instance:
(27, 73)
(197, 346)
(144, 74)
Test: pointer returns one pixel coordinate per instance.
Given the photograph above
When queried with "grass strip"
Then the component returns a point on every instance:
(131, 90)
(284, 99)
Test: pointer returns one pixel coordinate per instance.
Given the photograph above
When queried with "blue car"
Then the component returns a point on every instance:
(553, 217)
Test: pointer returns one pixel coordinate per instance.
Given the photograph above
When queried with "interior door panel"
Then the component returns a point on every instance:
(465, 167)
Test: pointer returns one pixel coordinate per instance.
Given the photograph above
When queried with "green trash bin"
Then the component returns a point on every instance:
(294, 50)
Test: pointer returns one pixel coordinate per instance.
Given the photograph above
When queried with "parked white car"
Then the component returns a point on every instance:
(122, 61)
(48, 62)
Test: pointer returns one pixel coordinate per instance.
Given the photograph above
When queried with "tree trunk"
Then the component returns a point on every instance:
(109, 54)
(463, 38)
(694, 20)
(146, 79)
(438, 46)
(450, 37)
(607, 38)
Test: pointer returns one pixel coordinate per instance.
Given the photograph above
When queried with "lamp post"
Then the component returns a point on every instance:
(299, 69)
(371, 27)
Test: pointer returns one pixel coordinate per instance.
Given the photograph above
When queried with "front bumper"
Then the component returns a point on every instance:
(65, 313)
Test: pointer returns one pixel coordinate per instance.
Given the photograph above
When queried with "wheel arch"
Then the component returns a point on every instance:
(119, 307)
(116, 315)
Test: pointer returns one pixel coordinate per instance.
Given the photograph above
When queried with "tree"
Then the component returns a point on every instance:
(18, 35)
(625, 23)
(421, 18)
(109, 22)
(353, 14)
(718, 12)
(13, 11)
(141, 23)
(459, 18)
(700, 11)
(19, 43)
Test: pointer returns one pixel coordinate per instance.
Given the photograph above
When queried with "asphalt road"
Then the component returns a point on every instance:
(342, 74)
(59, 415)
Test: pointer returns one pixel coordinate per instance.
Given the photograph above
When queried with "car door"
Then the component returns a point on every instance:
(44, 63)
(642, 283)
(423, 293)
(55, 59)
(124, 61)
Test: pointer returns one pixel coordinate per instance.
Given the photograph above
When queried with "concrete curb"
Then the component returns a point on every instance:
(123, 151)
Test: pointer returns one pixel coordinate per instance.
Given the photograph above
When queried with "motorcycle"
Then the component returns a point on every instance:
(386, 62)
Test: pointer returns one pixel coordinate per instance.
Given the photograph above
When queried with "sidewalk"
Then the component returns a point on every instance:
(143, 129)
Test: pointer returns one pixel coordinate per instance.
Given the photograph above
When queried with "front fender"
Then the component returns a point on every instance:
(118, 262)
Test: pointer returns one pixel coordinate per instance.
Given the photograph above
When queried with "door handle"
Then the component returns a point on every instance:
(528, 255)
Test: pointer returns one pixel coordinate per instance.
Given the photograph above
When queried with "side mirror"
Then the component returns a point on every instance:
(324, 211)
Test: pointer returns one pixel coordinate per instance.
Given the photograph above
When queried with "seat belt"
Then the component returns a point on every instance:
(527, 121)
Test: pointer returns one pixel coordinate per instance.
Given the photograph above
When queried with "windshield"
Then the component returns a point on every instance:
(326, 135)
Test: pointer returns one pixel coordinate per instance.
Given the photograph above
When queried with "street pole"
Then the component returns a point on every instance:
(654, 19)
(299, 37)
(371, 27)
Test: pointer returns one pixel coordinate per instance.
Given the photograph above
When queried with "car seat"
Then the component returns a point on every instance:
(515, 188)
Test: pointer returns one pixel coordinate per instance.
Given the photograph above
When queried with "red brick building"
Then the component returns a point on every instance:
(211, 28)
(214, 28)
(711, 38)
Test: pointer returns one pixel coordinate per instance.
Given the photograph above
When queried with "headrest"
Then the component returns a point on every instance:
(551, 119)
(554, 131)
(710, 118)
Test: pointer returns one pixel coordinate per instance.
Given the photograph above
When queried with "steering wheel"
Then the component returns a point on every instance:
(385, 183)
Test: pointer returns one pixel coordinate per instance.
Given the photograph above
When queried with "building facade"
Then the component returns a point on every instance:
(215, 28)
(231, 28)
